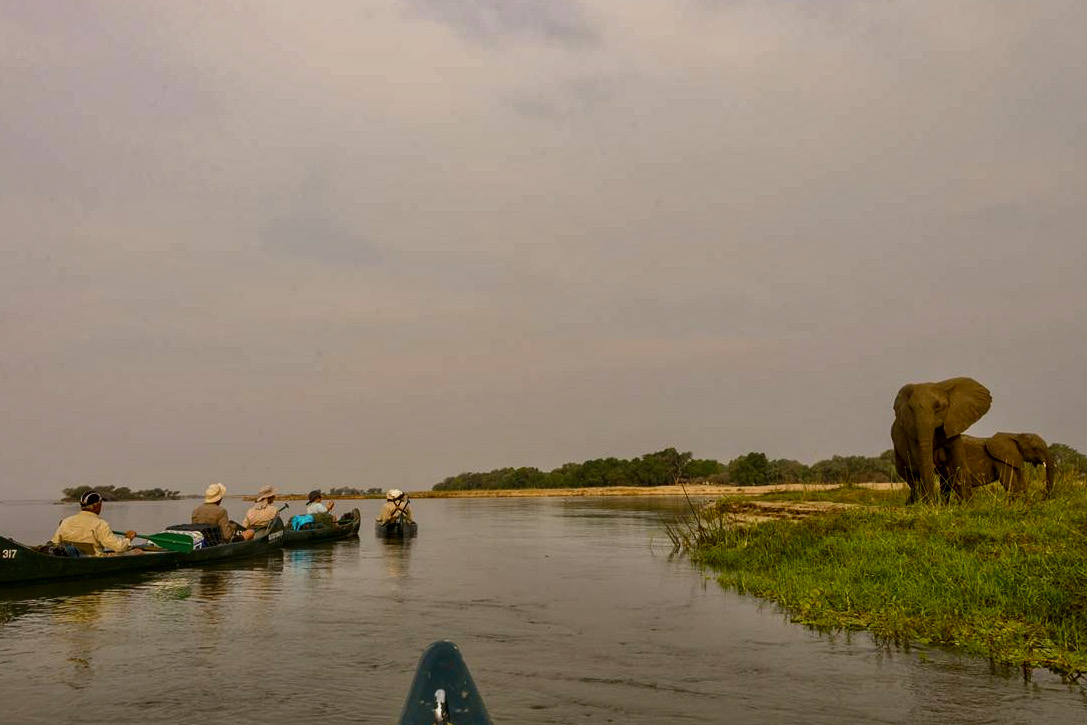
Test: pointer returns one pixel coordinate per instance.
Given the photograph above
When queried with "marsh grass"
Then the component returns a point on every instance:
(995, 577)
(846, 493)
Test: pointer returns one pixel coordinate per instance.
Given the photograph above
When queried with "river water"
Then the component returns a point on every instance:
(566, 610)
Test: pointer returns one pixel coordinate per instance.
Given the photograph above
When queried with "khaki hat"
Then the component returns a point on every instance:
(266, 493)
(393, 494)
(215, 492)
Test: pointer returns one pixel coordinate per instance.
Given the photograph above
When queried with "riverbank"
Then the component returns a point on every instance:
(694, 490)
(1005, 580)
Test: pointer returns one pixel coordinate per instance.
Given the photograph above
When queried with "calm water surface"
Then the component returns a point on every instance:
(567, 611)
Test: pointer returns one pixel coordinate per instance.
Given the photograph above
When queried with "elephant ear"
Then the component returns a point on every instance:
(1002, 447)
(902, 398)
(968, 400)
(1031, 446)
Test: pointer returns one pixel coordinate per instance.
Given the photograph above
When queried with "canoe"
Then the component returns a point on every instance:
(345, 527)
(397, 530)
(21, 564)
(443, 691)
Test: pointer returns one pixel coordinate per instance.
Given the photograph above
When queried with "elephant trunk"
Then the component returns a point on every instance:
(926, 464)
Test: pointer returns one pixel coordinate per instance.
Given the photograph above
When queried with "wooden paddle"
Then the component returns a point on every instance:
(167, 540)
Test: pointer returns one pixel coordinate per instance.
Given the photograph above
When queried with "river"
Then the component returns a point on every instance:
(566, 610)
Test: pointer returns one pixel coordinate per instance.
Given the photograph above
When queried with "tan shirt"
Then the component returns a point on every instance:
(390, 510)
(215, 515)
(260, 515)
(89, 533)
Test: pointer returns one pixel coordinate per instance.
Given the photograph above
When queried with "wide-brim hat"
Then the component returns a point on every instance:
(266, 492)
(314, 495)
(215, 493)
(393, 494)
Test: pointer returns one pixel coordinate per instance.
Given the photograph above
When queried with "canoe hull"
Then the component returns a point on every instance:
(443, 677)
(21, 564)
(404, 530)
(334, 533)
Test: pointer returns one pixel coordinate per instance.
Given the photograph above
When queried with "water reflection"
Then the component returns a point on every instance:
(77, 620)
(396, 554)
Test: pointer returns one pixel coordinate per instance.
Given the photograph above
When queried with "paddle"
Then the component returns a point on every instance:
(166, 540)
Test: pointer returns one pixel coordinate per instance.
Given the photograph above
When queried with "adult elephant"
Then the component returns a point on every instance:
(931, 416)
(1002, 458)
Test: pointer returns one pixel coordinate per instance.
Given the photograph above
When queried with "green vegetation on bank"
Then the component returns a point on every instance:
(670, 466)
(994, 577)
(122, 493)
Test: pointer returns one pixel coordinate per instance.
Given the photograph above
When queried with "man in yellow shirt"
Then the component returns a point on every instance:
(90, 533)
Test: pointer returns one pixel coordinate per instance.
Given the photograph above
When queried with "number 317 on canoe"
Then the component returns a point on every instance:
(8, 553)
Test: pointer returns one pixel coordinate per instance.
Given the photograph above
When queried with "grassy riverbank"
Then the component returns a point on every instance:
(995, 578)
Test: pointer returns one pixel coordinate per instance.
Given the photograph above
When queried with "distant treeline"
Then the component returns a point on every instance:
(122, 493)
(349, 491)
(670, 466)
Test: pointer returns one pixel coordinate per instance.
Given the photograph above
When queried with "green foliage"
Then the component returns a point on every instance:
(995, 577)
(1068, 460)
(349, 491)
(845, 493)
(653, 469)
(121, 493)
(670, 466)
(853, 469)
(752, 469)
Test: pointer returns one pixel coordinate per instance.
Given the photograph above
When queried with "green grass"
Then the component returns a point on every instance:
(847, 493)
(993, 577)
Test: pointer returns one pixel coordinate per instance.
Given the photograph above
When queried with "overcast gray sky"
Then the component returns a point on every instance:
(380, 242)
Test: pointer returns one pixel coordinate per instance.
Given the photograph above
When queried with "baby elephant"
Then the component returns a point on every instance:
(1001, 458)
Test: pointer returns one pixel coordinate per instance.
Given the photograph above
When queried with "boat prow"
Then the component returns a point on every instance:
(443, 690)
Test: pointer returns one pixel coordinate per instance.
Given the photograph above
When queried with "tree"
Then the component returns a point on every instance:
(703, 468)
(785, 470)
(752, 469)
(1068, 460)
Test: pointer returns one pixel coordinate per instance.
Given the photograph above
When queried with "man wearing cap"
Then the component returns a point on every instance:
(316, 503)
(212, 512)
(396, 507)
(316, 508)
(90, 533)
(262, 512)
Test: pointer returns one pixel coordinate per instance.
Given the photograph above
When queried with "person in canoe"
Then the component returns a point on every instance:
(89, 533)
(262, 512)
(396, 508)
(316, 503)
(321, 512)
(211, 512)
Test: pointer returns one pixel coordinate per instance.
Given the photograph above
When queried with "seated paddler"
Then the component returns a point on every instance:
(212, 513)
(88, 532)
(262, 512)
(396, 508)
(319, 510)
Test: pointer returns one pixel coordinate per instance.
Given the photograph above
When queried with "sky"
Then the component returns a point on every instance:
(379, 243)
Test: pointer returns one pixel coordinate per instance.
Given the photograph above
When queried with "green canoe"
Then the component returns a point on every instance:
(21, 564)
(344, 528)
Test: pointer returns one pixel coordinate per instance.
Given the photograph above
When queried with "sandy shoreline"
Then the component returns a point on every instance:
(694, 490)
